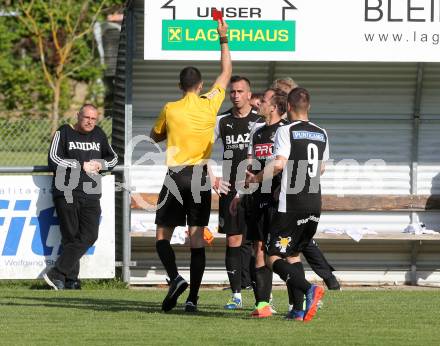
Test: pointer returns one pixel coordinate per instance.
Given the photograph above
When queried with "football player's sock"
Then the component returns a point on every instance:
(298, 278)
(263, 284)
(290, 294)
(298, 299)
(197, 268)
(252, 271)
(292, 274)
(268, 291)
(167, 257)
(233, 267)
(281, 267)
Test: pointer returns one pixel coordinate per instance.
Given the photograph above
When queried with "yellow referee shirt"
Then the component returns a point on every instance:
(189, 125)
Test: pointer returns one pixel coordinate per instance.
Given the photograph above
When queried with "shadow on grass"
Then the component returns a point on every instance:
(115, 305)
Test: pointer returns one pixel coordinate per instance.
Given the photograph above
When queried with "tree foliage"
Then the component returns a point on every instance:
(46, 47)
(22, 86)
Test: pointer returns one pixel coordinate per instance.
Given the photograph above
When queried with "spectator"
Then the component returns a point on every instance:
(77, 156)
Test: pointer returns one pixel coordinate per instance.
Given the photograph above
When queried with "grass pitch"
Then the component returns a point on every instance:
(114, 316)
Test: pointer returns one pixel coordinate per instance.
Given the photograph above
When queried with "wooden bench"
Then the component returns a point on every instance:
(334, 202)
(407, 243)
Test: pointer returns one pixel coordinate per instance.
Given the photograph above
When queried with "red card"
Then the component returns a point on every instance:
(217, 15)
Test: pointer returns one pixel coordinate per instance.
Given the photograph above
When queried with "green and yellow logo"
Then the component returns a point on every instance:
(175, 34)
(244, 35)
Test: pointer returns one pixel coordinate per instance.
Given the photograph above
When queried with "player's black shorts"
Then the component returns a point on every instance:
(259, 218)
(291, 232)
(227, 222)
(181, 200)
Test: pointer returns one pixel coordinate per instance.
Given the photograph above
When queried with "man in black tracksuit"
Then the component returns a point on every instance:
(77, 155)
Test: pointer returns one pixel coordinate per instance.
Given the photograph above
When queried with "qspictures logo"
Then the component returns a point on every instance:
(243, 35)
(416, 14)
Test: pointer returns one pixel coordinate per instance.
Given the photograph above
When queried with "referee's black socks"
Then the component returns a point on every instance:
(167, 257)
(197, 268)
(233, 267)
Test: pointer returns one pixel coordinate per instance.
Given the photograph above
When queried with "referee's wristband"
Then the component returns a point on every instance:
(223, 39)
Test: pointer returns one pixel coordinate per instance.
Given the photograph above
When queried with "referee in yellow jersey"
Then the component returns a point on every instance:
(188, 125)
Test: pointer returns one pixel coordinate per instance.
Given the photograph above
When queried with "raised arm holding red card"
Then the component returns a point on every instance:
(226, 63)
(217, 15)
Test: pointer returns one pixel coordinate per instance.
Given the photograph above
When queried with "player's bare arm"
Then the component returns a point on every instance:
(225, 60)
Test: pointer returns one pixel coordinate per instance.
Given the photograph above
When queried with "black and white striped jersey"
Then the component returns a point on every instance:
(69, 150)
(261, 148)
(306, 146)
(234, 133)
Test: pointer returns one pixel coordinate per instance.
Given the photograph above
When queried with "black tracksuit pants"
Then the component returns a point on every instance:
(79, 224)
(317, 261)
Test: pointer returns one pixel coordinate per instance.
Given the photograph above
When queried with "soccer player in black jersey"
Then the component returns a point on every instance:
(311, 252)
(301, 148)
(263, 203)
(233, 128)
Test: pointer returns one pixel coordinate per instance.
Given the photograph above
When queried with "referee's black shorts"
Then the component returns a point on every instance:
(185, 198)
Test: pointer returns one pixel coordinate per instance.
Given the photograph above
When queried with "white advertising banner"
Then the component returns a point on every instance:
(295, 30)
(29, 230)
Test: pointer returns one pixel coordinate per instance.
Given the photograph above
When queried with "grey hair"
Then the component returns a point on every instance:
(86, 105)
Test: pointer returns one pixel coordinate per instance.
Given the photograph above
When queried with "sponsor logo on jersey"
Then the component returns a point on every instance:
(251, 125)
(283, 243)
(302, 221)
(263, 151)
(314, 218)
(313, 136)
(237, 141)
(310, 218)
(84, 146)
(230, 125)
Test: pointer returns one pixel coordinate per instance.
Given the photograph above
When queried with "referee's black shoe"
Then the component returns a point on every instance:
(332, 283)
(177, 287)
